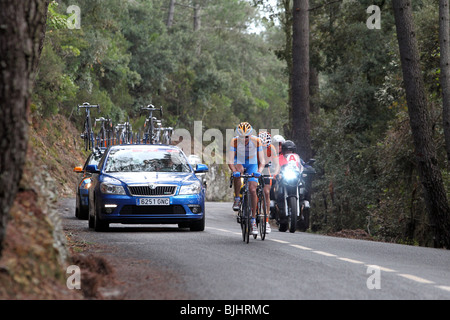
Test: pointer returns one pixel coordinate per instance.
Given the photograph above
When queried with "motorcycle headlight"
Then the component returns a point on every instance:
(291, 174)
(192, 188)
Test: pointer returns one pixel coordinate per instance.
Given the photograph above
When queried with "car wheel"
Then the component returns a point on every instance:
(98, 224)
(198, 225)
(90, 217)
(80, 212)
(77, 206)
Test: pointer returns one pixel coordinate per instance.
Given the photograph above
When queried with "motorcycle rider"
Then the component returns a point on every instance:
(288, 154)
(271, 169)
(246, 155)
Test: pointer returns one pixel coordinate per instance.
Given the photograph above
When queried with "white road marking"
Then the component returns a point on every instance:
(351, 260)
(300, 247)
(446, 288)
(381, 268)
(325, 253)
(415, 278)
(279, 241)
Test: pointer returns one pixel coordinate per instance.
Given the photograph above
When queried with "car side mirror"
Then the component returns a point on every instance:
(78, 169)
(92, 168)
(201, 168)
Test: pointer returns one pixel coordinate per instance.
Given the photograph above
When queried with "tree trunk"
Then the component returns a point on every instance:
(445, 69)
(300, 124)
(286, 22)
(429, 173)
(170, 15)
(22, 29)
(197, 22)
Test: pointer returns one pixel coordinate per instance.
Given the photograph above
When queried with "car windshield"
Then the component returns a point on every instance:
(146, 160)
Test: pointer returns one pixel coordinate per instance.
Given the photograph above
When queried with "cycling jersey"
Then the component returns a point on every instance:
(270, 156)
(245, 153)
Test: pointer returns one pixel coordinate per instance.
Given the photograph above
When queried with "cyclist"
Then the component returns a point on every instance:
(277, 141)
(245, 155)
(271, 169)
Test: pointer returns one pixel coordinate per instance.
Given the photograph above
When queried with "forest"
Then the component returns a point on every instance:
(226, 61)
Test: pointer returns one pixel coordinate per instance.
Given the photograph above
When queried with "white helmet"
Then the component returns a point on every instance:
(277, 139)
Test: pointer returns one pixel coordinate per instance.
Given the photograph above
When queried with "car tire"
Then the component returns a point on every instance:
(198, 225)
(99, 225)
(80, 213)
(90, 218)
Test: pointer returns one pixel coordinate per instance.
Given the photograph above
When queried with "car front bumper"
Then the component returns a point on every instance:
(124, 209)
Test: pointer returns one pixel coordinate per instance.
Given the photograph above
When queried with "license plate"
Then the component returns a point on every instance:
(153, 201)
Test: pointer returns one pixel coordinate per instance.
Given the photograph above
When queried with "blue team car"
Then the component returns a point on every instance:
(83, 184)
(146, 184)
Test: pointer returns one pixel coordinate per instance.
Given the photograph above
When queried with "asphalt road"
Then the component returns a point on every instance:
(217, 265)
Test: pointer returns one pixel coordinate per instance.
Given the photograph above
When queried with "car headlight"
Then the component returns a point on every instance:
(109, 188)
(192, 188)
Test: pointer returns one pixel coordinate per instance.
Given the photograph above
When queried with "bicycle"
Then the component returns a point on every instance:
(167, 135)
(105, 134)
(149, 130)
(88, 133)
(244, 215)
(261, 209)
(124, 133)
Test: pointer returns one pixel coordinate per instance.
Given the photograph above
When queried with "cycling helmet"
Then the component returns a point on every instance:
(288, 146)
(277, 139)
(266, 138)
(244, 129)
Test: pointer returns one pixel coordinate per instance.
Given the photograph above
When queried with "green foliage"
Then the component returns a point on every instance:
(125, 57)
(368, 177)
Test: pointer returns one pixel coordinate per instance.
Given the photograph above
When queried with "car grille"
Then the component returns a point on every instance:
(173, 209)
(147, 191)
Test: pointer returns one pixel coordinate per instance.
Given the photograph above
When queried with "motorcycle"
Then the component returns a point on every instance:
(293, 183)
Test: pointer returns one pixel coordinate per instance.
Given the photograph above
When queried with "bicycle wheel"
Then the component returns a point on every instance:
(86, 136)
(262, 215)
(242, 213)
(257, 220)
(91, 140)
(247, 217)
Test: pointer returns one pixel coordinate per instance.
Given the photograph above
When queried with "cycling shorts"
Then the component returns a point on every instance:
(250, 168)
(267, 180)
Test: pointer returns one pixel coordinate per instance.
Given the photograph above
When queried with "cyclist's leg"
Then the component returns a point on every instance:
(237, 181)
(237, 188)
(252, 185)
(267, 186)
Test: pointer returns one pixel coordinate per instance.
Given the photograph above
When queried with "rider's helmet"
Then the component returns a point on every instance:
(288, 146)
(266, 138)
(277, 139)
(244, 129)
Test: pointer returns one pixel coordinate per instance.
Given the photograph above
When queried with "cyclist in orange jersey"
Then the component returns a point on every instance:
(272, 168)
